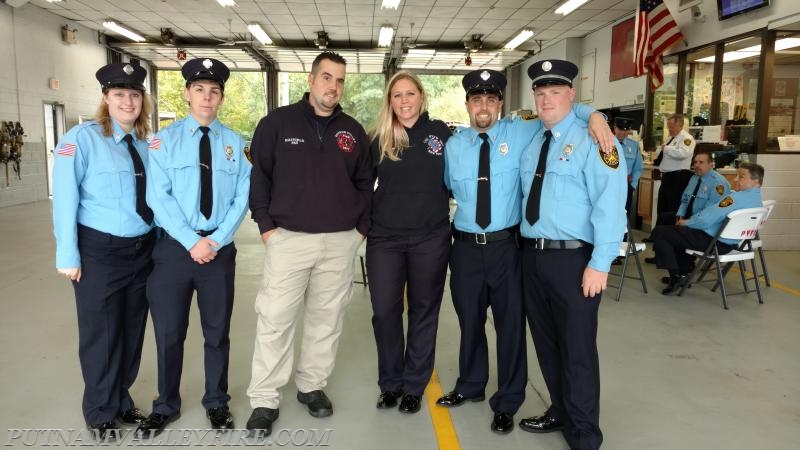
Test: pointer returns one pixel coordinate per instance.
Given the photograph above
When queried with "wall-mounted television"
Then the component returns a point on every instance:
(731, 8)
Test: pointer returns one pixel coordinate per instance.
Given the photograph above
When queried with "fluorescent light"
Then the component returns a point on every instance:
(421, 51)
(385, 37)
(755, 50)
(259, 33)
(390, 4)
(523, 36)
(111, 25)
(225, 3)
(569, 6)
(53, 1)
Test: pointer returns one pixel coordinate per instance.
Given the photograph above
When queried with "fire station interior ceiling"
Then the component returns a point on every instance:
(430, 35)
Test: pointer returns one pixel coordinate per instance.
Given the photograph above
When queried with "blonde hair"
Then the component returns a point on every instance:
(391, 134)
(142, 124)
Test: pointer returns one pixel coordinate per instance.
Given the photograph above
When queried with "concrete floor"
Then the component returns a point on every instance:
(677, 372)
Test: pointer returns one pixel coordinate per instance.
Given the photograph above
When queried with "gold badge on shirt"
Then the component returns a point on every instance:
(725, 202)
(504, 149)
(687, 141)
(611, 159)
(229, 152)
(720, 189)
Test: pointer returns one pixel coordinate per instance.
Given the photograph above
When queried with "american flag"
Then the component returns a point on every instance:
(656, 31)
(66, 150)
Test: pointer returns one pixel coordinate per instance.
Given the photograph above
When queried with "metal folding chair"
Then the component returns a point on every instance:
(741, 225)
(362, 253)
(758, 245)
(626, 249)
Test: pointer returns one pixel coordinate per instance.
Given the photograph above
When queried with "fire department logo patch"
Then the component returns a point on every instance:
(435, 145)
(727, 201)
(720, 189)
(345, 141)
(611, 159)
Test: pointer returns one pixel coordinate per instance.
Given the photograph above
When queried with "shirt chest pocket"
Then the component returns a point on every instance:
(464, 175)
(225, 179)
(185, 176)
(110, 178)
(561, 175)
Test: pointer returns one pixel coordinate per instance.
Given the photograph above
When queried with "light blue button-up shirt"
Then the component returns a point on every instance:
(633, 160)
(710, 218)
(713, 187)
(582, 197)
(508, 139)
(94, 185)
(174, 188)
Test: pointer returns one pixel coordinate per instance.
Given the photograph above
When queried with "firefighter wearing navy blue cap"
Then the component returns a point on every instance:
(574, 219)
(485, 259)
(199, 188)
(104, 241)
(633, 157)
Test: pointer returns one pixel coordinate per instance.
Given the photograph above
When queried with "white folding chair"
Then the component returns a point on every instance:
(741, 225)
(626, 249)
(362, 253)
(758, 244)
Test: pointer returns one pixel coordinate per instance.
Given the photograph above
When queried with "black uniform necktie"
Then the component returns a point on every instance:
(483, 209)
(691, 200)
(661, 155)
(535, 195)
(142, 209)
(206, 201)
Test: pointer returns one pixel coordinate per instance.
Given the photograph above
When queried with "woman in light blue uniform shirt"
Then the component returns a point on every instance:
(104, 241)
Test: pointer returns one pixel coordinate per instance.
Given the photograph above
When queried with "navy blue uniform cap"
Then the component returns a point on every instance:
(121, 75)
(205, 69)
(552, 71)
(623, 123)
(484, 81)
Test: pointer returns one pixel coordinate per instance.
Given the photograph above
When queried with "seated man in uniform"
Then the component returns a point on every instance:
(697, 232)
(706, 187)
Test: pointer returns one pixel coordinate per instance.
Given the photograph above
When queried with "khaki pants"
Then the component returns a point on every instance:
(314, 270)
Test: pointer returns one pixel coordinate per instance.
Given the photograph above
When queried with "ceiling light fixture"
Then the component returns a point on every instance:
(523, 36)
(385, 36)
(322, 40)
(754, 51)
(225, 3)
(569, 6)
(259, 33)
(390, 4)
(113, 26)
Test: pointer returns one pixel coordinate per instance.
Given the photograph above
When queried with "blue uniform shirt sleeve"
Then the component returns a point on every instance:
(235, 213)
(607, 189)
(637, 167)
(68, 172)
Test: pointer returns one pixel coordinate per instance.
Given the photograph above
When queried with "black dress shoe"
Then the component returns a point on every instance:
(541, 424)
(502, 423)
(388, 399)
(262, 419)
(317, 402)
(665, 279)
(154, 424)
(453, 398)
(650, 260)
(410, 403)
(675, 284)
(105, 429)
(221, 418)
(133, 416)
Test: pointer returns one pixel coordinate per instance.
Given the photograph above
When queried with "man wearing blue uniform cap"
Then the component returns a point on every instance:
(697, 231)
(573, 200)
(200, 183)
(104, 241)
(633, 157)
(482, 171)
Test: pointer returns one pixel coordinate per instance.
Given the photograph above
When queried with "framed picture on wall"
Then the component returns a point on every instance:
(622, 41)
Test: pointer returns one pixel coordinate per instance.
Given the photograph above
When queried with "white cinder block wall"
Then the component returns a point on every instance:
(32, 52)
(781, 175)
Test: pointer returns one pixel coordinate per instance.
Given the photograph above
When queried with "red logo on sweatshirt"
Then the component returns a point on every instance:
(345, 141)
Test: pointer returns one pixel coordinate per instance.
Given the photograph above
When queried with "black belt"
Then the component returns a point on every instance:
(547, 244)
(484, 238)
(201, 233)
(83, 230)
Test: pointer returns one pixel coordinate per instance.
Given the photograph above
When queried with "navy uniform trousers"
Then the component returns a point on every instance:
(112, 316)
(175, 277)
(670, 245)
(564, 327)
(669, 195)
(420, 261)
(482, 276)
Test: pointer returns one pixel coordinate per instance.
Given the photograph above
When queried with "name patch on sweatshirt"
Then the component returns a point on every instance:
(293, 141)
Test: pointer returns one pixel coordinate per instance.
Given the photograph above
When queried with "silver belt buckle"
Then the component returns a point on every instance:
(478, 239)
(539, 244)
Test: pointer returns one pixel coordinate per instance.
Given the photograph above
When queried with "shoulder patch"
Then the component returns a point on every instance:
(687, 141)
(611, 159)
(725, 202)
(720, 189)
(67, 150)
(154, 144)
(246, 151)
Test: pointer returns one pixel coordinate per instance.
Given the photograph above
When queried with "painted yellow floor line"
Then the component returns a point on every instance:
(442, 422)
(772, 283)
